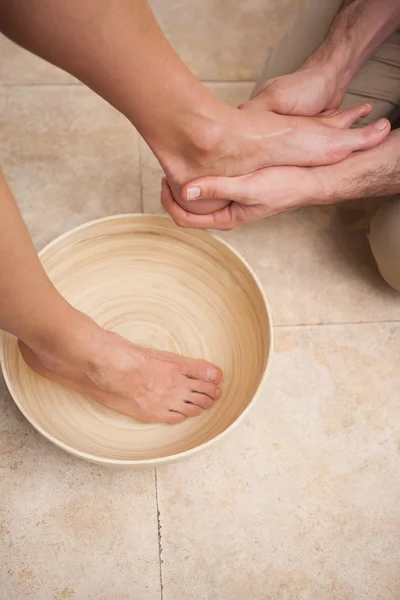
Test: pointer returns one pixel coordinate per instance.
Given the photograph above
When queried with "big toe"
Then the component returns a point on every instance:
(203, 370)
(369, 136)
(341, 143)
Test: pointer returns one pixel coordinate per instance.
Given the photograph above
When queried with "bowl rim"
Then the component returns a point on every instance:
(151, 462)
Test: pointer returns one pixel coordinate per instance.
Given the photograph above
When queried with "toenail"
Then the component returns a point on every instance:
(381, 124)
(212, 375)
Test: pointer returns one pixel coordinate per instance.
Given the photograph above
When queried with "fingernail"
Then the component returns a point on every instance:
(213, 375)
(193, 193)
(381, 125)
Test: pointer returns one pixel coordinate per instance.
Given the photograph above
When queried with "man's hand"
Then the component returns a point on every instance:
(263, 193)
(358, 30)
(306, 92)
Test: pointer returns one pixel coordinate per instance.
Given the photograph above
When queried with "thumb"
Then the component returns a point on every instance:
(205, 188)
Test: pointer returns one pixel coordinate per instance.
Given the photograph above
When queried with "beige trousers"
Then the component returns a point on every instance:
(377, 83)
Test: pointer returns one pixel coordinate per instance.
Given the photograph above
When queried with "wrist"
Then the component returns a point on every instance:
(302, 190)
(334, 66)
(356, 33)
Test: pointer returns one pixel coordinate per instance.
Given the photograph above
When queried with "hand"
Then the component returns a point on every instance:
(252, 197)
(306, 92)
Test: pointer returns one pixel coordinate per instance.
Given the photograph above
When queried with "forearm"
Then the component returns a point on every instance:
(375, 172)
(117, 48)
(359, 28)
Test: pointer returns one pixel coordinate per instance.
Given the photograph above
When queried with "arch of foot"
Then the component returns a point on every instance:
(384, 239)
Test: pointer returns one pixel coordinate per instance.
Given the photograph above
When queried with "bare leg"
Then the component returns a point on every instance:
(118, 50)
(65, 345)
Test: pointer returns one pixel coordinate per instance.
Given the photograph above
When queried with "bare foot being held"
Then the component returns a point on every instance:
(150, 385)
(251, 140)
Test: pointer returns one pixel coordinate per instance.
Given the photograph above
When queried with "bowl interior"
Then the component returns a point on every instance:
(162, 287)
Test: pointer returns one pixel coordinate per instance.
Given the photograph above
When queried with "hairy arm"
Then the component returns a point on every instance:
(375, 172)
(358, 30)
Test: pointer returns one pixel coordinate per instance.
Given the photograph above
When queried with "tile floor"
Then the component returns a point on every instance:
(302, 501)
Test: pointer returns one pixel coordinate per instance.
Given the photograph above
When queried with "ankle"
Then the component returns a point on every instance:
(67, 340)
(198, 145)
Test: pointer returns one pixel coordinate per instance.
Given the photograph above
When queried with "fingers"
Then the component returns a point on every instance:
(221, 219)
(232, 188)
(345, 118)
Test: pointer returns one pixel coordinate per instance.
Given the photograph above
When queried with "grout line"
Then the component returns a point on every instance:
(159, 538)
(339, 323)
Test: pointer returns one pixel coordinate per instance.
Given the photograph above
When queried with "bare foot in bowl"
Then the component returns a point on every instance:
(152, 386)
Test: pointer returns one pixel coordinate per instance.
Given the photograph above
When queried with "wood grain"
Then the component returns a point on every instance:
(159, 286)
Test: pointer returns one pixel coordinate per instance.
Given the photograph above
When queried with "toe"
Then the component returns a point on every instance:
(342, 119)
(367, 137)
(205, 371)
(340, 144)
(173, 417)
(186, 408)
(200, 400)
(202, 387)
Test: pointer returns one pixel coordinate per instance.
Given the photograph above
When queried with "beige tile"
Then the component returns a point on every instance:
(224, 40)
(301, 501)
(18, 66)
(314, 270)
(151, 172)
(69, 157)
(69, 529)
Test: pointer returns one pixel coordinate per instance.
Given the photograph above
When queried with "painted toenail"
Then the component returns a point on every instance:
(193, 193)
(212, 375)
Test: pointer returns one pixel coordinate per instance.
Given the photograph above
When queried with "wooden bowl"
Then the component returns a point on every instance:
(163, 287)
